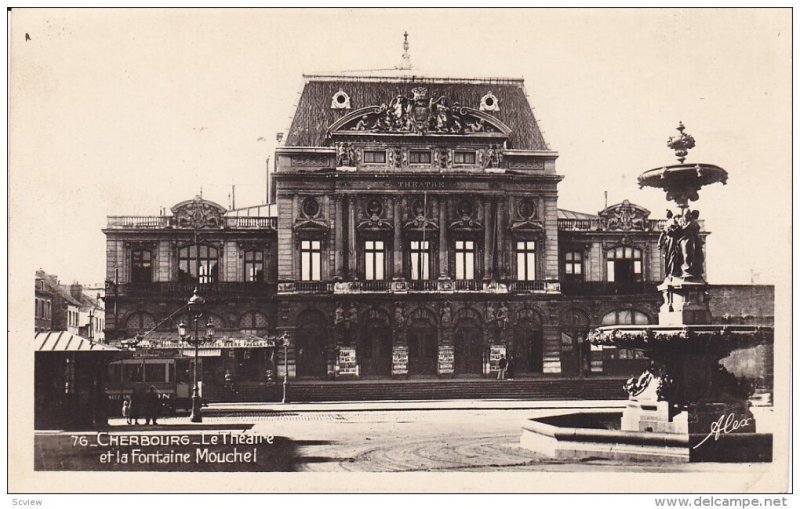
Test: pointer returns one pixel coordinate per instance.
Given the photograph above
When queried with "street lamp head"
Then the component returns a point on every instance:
(196, 302)
(182, 330)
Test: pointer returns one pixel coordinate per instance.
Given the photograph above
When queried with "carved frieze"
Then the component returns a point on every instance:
(625, 216)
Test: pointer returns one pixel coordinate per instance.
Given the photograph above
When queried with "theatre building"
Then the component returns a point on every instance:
(414, 232)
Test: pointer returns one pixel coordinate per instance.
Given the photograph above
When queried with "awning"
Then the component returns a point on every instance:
(159, 340)
(202, 352)
(63, 341)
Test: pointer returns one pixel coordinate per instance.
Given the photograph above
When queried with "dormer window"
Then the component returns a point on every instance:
(375, 157)
(464, 157)
(419, 157)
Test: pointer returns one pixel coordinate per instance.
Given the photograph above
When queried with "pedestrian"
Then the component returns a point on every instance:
(152, 404)
(126, 409)
(502, 364)
(136, 406)
(510, 368)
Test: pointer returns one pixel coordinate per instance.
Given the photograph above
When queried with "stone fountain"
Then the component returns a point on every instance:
(687, 406)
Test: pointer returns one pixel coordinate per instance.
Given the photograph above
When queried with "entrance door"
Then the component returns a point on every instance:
(423, 351)
(311, 346)
(527, 352)
(468, 350)
(375, 349)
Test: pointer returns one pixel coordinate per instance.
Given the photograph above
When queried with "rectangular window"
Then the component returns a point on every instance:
(420, 260)
(373, 260)
(254, 266)
(526, 260)
(573, 265)
(374, 156)
(141, 266)
(465, 259)
(310, 260)
(463, 157)
(419, 157)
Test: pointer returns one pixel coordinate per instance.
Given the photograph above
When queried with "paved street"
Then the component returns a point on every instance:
(357, 438)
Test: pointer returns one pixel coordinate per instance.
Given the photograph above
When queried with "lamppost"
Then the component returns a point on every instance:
(284, 340)
(195, 305)
(91, 324)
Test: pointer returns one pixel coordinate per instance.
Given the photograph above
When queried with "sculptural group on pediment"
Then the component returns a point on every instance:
(625, 216)
(417, 113)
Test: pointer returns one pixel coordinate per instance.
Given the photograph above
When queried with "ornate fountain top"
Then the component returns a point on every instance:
(682, 181)
(681, 144)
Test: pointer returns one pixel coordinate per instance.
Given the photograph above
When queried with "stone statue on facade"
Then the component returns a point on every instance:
(501, 317)
(446, 314)
(338, 316)
(399, 318)
(352, 317)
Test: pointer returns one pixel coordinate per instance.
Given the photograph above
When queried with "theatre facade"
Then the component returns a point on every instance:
(414, 232)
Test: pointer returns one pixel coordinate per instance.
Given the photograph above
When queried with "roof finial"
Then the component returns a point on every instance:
(406, 66)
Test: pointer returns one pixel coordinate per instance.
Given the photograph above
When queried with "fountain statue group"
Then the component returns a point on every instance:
(683, 246)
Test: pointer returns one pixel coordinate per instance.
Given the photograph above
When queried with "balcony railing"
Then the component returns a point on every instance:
(468, 285)
(424, 285)
(432, 285)
(168, 222)
(184, 290)
(601, 225)
(527, 286)
(591, 288)
(139, 222)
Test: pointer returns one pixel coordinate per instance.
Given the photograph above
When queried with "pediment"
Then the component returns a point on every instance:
(198, 213)
(418, 114)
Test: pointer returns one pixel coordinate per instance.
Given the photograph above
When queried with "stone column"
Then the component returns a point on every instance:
(398, 239)
(339, 234)
(351, 238)
(443, 267)
(488, 251)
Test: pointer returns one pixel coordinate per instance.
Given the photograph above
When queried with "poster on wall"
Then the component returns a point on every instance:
(446, 357)
(495, 352)
(347, 363)
(399, 360)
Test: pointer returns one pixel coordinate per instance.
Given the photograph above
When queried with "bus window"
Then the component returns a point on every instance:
(133, 373)
(155, 372)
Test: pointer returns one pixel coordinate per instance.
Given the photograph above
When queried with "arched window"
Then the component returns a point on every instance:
(624, 264)
(198, 264)
(140, 322)
(254, 322)
(625, 317)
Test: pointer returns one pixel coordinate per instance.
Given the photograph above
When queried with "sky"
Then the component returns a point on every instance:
(125, 111)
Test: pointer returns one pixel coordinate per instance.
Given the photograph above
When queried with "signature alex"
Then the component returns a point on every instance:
(725, 424)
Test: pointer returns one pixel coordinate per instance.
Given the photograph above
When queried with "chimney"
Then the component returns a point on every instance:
(75, 289)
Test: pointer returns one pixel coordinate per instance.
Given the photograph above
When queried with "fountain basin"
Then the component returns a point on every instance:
(587, 435)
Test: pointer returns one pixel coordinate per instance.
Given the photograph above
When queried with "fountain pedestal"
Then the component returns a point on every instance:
(685, 302)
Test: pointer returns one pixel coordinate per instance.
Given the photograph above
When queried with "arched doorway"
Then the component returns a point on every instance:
(468, 343)
(311, 344)
(575, 350)
(527, 353)
(375, 344)
(423, 344)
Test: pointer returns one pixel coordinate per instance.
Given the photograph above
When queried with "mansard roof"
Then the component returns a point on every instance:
(314, 114)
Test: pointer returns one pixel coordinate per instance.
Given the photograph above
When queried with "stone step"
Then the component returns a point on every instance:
(607, 388)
